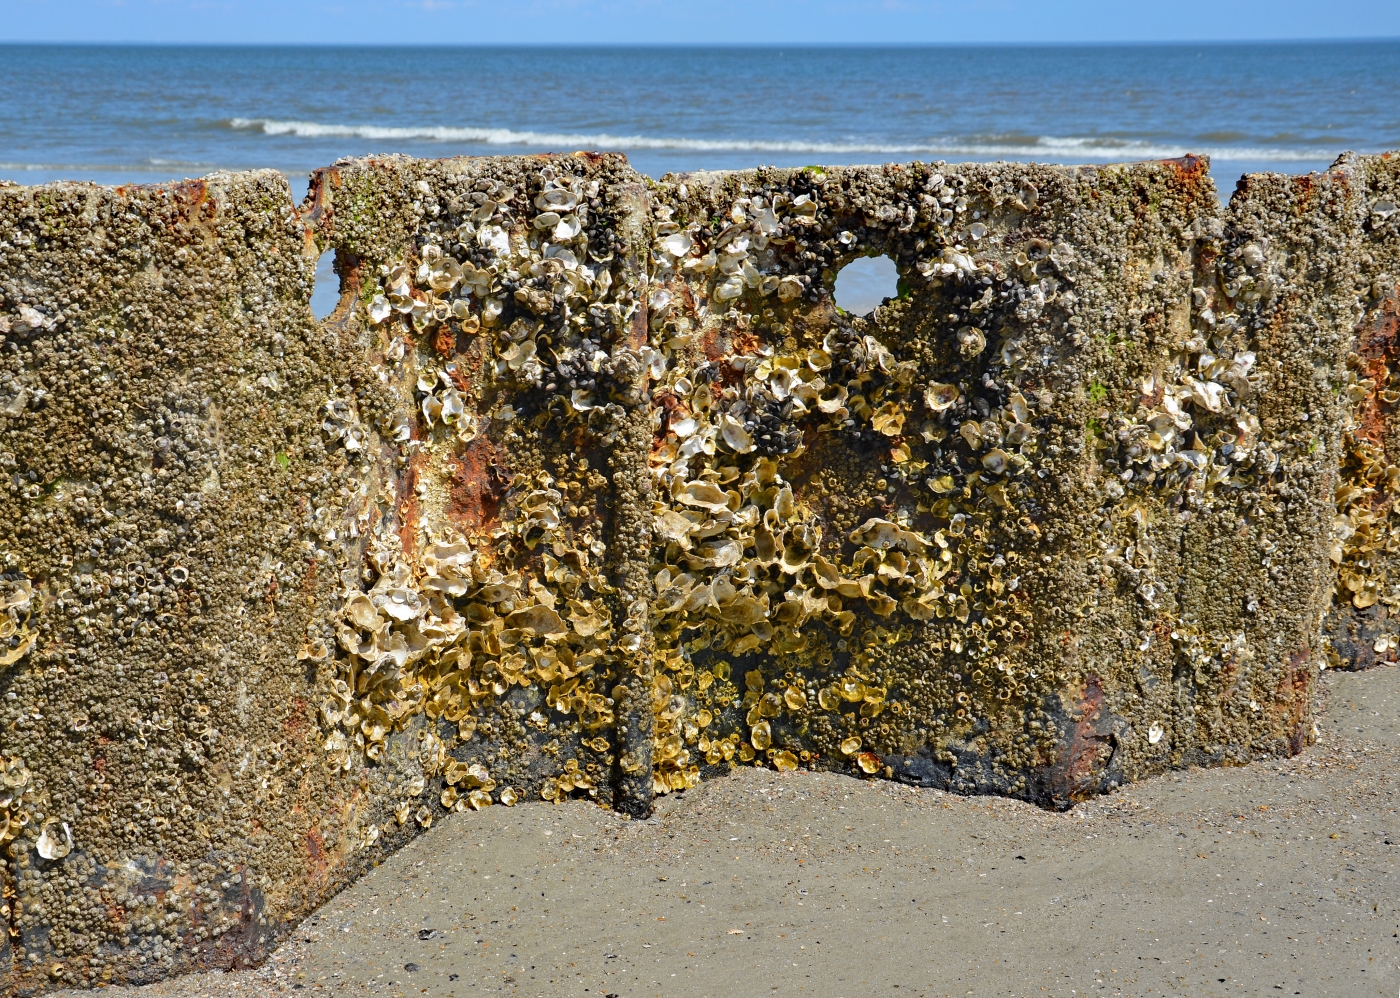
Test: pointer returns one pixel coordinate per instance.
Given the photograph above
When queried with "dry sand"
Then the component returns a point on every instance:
(1276, 878)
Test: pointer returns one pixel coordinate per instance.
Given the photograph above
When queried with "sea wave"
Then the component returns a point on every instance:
(152, 165)
(1033, 146)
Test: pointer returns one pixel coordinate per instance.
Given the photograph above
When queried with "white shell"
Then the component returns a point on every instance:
(735, 435)
(49, 845)
(678, 244)
(940, 397)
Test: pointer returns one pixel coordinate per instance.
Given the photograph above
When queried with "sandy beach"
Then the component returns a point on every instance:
(1276, 878)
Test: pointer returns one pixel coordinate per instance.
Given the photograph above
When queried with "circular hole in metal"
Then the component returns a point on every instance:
(865, 283)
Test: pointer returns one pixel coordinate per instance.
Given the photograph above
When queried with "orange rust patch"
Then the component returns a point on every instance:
(190, 192)
(745, 343)
(711, 345)
(475, 490)
(637, 331)
(1190, 169)
(1081, 756)
(316, 854)
(408, 505)
(728, 375)
(1379, 347)
(445, 340)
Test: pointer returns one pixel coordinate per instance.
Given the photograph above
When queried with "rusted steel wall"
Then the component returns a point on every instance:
(162, 530)
(1363, 627)
(1047, 568)
(587, 488)
(504, 546)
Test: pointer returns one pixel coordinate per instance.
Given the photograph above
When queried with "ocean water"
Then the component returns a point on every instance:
(120, 114)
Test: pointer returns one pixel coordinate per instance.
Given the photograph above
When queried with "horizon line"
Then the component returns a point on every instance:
(1127, 42)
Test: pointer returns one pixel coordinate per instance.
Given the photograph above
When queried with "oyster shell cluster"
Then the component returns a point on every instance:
(588, 489)
(1366, 528)
(513, 318)
(450, 623)
(16, 790)
(18, 604)
(740, 567)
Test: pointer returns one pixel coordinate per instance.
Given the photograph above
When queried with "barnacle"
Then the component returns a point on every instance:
(741, 566)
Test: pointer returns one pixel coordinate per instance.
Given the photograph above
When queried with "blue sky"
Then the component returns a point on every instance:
(689, 21)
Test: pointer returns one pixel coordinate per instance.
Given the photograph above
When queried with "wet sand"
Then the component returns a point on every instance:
(1277, 878)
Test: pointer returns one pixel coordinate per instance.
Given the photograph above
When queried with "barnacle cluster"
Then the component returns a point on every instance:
(746, 388)
(1366, 527)
(588, 488)
(823, 490)
(742, 388)
(457, 617)
(16, 788)
(1195, 417)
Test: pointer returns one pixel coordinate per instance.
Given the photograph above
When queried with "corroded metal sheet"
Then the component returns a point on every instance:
(164, 469)
(588, 488)
(995, 528)
(1362, 626)
(502, 533)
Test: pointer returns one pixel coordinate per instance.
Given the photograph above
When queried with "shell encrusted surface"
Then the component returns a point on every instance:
(588, 488)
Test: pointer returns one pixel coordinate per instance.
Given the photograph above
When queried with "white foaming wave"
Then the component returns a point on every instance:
(1040, 147)
(145, 166)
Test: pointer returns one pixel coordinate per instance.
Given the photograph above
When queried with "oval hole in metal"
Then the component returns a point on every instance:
(865, 283)
(326, 294)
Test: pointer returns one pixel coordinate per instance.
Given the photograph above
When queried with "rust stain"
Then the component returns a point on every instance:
(189, 193)
(637, 331)
(746, 343)
(711, 345)
(408, 504)
(318, 864)
(1294, 689)
(318, 213)
(1190, 169)
(296, 721)
(1379, 347)
(1082, 755)
(347, 268)
(475, 490)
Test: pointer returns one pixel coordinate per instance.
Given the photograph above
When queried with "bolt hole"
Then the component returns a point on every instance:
(325, 296)
(865, 283)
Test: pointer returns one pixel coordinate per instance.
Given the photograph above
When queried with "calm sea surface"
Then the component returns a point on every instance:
(122, 114)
